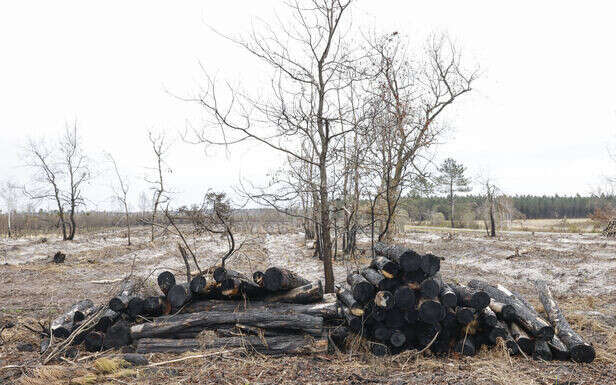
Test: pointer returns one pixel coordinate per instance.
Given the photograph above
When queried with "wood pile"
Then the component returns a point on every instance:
(399, 302)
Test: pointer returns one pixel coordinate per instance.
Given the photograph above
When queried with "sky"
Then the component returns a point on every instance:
(540, 119)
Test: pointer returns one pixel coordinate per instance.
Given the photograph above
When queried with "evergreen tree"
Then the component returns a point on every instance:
(452, 180)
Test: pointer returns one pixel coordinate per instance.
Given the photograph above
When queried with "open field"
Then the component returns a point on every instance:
(581, 268)
(573, 225)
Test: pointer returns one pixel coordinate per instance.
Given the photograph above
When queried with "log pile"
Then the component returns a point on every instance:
(399, 301)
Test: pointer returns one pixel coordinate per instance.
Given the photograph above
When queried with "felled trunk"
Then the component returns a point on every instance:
(62, 326)
(476, 299)
(521, 338)
(162, 345)
(384, 299)
(117, 336)
(222, 273)
(310, 293)
(525, 317)
(346, 297)
(388, 268)
(179, 295)
(156, 306)
(407, 259)
(212, 319)
(504, 311)
(362, 290)
(166, 280)
(430, 310)
(108, 318)
(202, 288)
(580, 350)
(94, 341)
(283, 344)
(378, 280)
(448, 296)
(241, 287)
(258, 277)
(277, 279)
(404, 298)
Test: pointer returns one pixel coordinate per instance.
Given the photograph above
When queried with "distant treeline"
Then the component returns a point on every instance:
(530, 206)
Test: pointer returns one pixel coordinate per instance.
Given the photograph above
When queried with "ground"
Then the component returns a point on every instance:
(581, 269)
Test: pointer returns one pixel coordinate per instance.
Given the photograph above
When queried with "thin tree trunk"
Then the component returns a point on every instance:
(451, 201)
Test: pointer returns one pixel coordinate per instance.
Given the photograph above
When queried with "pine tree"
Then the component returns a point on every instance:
(452, 180)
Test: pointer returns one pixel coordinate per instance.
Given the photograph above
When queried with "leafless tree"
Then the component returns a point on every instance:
(9, 194)
(157, 182)
(409, 96)
(121, 194)
(143, 203)
(309, 60)
(60, 173)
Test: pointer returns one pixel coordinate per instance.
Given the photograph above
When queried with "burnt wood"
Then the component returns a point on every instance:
(404, 298)
(384, 300)
(166, 280)
(469, 297)
(108, 318)
(258, 277)
(362, 290)
(521, 338)
(62, 326)
(407, 259)
(388, 268)
(579, 349)
(179, 295)
(93, 341)
(277, 279)
(430, 264)
(117, 335)
(162, 345)
(305, 294)
(347, 298)
(542, 351)
(430, 310)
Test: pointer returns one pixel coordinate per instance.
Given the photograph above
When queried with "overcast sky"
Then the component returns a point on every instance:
(540, 119)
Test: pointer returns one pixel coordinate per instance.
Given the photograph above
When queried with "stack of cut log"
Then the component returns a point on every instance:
(274, 312)
(400, 301)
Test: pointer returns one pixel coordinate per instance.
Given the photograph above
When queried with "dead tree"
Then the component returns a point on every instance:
(8, 193)
(159, 192)
(60, 174)
(309, 60)
(121, 195)
(410, 95)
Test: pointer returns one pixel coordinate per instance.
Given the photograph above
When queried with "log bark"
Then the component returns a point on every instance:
(108, 318)
(487, 318)
(161, 345)
(166, 280)
(237, 286)
(94, 341)
(274, 345)
(135, 307)
(407, 259)
(504, 311)
(404, 298)
(346, 297)
(525, 317)
(258, 277)
(430, 264)
(277, 279)
(542, 351)
(363, 291)
(306, 294)
(212, 319)
(356, 324)
(222, 273)
(430, 288)
(397, 338)
(377, 279)
(470, 297)
(179, 295)
(117, 335)
(62, 326)
(156, 306)
(521, 338)
(448, 296)
(430, 310)
(327, 310)
(558, 348)
(388, 268)
(579, 349)
(465, 345)
(202, 288)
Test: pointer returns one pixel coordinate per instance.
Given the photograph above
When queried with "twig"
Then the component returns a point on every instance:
(183, 253)
(190, 357)
(107, 281)
(183, 240)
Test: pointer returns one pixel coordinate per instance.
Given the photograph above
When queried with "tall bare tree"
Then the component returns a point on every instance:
(157, 182)
(410, 94)
(61, 172)
(309, 60)
(121, 194)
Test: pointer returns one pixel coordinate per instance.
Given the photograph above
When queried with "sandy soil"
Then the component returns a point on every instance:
(580, 268)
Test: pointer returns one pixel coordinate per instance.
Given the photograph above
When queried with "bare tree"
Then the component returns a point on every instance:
(60, 173)
(409, 96)
(9, 194)
(309, 60)
(159, 192)
(143, 203)
(121, 194)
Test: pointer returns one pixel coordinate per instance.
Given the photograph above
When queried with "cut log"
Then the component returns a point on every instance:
(521, 338)
(222, 273)
(503, 311)
(339, 336)
(558, 348)
(524, 316)
(465, 315)
(277, 279)
(384, 300)
(306, 294)
(62, 326)
(386, 267)
(465, 346)
(404, 298)
(258, 277)
(135, 307)
(469, 297)
(580, 350)
(426, 332)
(160, 345)
(430, 288)
(202, 288)
(287, 344)
(156, 306)
(414, 278)
(430, 264)
(430, 310)
(542, 351)
(356, 324)
(94, 341)
(117, 335)
(511, 345)
(394, 319)
(179, 295)
(381, 332)
(407, 259)
(166, 280)
(347, 298)
(448, 296)
(327, 310)
(379, 350)
(397, 338)
(377, 279)
(108, 318)
(362, 290)
(212, 319)
(81, 314)
(487, 318)
(498, 331)
(233, 287)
